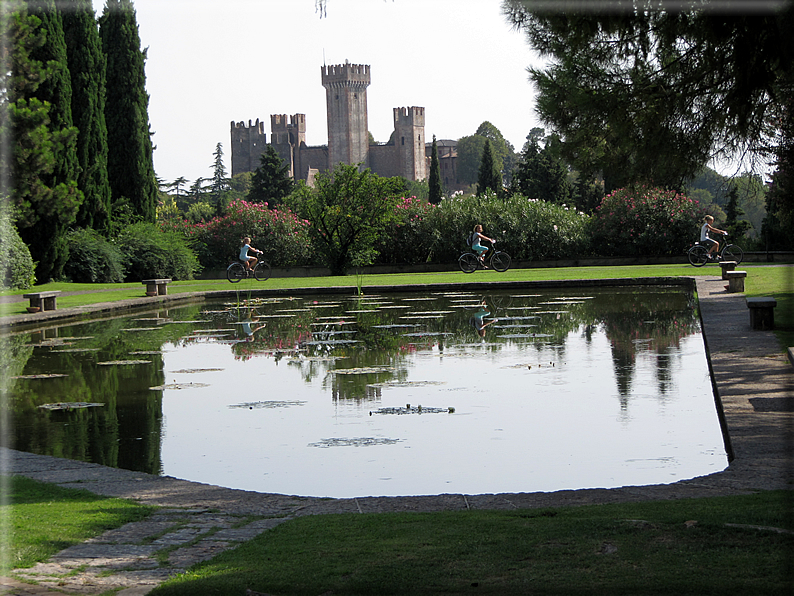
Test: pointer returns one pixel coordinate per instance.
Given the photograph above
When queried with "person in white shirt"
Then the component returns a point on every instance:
(706, 239)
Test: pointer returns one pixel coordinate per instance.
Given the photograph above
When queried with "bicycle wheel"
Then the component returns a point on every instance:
(262, 271)
(698, 256)
(500, 261)
(468, 263)
(235, 272)
(732, 253)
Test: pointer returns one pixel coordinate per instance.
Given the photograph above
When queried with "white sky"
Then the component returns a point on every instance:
(210, 63)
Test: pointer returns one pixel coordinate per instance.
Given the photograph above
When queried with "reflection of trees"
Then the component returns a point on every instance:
(651, 322)
(303, 334)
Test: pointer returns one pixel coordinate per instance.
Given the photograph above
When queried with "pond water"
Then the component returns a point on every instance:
(396, 394)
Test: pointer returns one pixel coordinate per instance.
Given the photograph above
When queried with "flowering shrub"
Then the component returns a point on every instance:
(279, 233)
(525, 228)
(410, 238)
(645, 221)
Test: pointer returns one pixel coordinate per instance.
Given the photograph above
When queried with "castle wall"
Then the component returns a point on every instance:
(248, 144)
(311, 158)
(409, 139)
(384, 160)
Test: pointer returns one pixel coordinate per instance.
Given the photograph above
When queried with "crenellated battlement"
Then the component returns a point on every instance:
(413, 116)
(345, 74)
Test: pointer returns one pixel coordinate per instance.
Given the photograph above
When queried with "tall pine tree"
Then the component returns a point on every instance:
(43, 116)
(87, 71)
(436, 191)
(130, 161)
(489, 177)
(271, 181)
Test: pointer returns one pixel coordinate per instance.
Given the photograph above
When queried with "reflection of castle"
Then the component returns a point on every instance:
(406, 154)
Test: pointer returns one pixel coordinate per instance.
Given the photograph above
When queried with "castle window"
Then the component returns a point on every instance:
(402, 140)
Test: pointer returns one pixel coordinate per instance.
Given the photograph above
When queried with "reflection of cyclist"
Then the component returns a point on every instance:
(252, 318)
(707, 240)
(481, 250)
(478, 320)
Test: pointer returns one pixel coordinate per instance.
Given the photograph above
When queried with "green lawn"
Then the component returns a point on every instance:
(42, 519)
(681, 547)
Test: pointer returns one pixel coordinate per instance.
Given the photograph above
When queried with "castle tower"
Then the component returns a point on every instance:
(346, 103)
(248, 143)
(409, 139)
(287, 138)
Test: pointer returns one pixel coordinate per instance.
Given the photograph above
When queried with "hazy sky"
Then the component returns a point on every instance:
(210, 63)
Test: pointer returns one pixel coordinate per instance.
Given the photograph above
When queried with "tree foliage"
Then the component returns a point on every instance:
(644, 91)
(489, 177)
(36, 117)
(271, 181)
(541, 175)
(130, 161)
(348, 210)
(86, 63)
(436, 191)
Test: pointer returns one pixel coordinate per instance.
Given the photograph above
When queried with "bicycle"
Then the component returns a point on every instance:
(237, 271)
(699, 254)
(498, 260)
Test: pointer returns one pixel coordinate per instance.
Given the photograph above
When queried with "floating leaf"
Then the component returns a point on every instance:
(397, 384)
(194, 370)
(362, 371)
(354, 442)
(123, 362)
(178, 386)
(69, 405)
(41, 376)
(258, 405)
(413, 410)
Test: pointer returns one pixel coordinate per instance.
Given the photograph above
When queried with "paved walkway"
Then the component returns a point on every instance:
(752, 378)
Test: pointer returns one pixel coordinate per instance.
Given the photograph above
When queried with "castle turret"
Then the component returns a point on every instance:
(248, 143)
(409, 139)
(346, 100)
(287, 138)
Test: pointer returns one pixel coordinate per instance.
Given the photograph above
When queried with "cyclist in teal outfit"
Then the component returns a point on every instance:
(249, 262)
(477, 235)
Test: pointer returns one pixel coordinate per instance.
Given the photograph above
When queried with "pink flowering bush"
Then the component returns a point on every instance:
(279, 233)
(645, 221)
(409, 238)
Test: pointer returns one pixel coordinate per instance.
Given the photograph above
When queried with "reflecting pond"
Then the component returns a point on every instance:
(395, 394)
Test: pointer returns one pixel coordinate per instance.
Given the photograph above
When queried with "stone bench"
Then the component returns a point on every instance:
(762, 313)
(156, 287)
(727, 266)
(735, 280)
(42, 300)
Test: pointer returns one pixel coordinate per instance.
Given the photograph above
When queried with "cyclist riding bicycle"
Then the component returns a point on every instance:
(475, 238)
(705, 239)
(248, 261)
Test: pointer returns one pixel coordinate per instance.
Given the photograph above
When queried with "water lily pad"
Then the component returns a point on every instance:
(69, 405)
(178, 386)
(524, 335)
(332, 342)
(259, 405)
(427, 334)
(354, 442)
(41, 376)
(142, 329)
(76, 350)
(362, 371)
(399, 384)
(413, 410)
(123, 362)
(187, 371)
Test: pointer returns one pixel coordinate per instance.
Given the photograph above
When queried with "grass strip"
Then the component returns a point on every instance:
(46, 518)
(671, 547)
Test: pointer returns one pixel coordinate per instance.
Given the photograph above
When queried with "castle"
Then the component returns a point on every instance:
(406, 154)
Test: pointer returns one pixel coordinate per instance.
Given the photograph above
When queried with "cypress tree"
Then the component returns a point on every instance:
(130, 161)
(435, 176)
(489, 177)
(47, 213)
(87, 70)
(271, 181)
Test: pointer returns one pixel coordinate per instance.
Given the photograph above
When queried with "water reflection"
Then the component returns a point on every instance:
(237, 393)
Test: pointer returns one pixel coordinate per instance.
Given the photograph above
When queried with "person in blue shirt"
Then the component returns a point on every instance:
(477, 236)
(249, 261)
